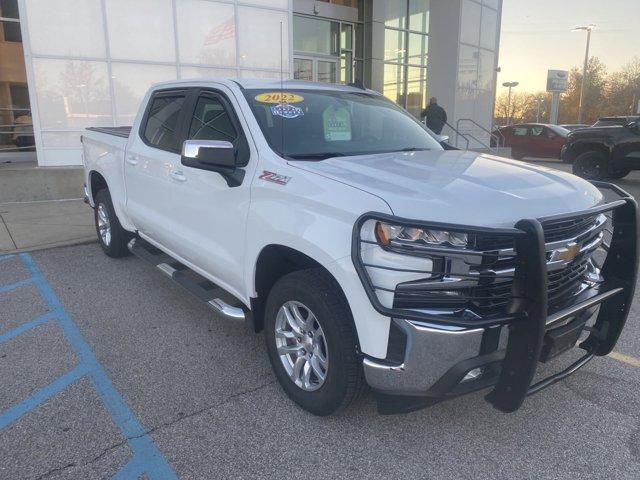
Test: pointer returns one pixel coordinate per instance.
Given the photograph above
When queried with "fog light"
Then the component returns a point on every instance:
(473, 374)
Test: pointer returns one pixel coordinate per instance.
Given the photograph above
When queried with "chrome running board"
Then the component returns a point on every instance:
(212, 295)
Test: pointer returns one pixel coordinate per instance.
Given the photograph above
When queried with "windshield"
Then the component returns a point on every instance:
(318, 124)
(563, 132)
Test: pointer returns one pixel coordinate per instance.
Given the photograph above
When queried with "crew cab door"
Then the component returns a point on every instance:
(152, 155)
(210, 215)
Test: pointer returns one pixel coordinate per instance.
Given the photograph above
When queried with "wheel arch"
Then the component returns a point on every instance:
(587, 146)
(274, 262)
(96, 183)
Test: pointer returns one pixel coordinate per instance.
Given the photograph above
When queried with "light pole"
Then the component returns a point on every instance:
(588, 29)
(509, 85)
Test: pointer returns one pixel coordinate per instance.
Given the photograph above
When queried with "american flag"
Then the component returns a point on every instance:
(221, 32)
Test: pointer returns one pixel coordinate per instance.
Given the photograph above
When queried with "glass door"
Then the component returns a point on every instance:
(315, 69)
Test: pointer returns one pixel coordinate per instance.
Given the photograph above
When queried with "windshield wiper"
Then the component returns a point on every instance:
(414, 149)
(315, 156)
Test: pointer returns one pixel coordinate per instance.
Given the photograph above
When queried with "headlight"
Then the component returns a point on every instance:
(387, 234)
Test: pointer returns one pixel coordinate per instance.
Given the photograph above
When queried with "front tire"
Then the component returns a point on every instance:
(311, 342)
(112, 237)
(591, 165)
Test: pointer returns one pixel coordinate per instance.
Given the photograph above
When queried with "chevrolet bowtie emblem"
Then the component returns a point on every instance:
(566, 254)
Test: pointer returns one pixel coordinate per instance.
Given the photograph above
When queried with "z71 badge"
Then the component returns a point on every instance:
(274, 177)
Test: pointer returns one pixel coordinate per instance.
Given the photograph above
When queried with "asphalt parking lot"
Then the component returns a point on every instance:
(109, 370)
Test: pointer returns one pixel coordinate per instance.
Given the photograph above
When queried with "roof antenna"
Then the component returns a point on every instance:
(282, 89)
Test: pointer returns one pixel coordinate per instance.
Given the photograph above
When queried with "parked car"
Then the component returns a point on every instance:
(604, 152)
(574, 126)
(615, 121)
(329, 218)
(532, 139)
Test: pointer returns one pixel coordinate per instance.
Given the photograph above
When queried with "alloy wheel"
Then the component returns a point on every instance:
(301, 345)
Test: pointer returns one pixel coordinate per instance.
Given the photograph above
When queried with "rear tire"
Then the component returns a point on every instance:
(591, 165)
(309, 328)
(112, 237)
(516, 155)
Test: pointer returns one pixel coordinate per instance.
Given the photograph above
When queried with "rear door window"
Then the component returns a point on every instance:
(162, 128)
(520, 131)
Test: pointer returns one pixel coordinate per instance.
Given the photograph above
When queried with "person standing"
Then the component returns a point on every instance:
(435, 116)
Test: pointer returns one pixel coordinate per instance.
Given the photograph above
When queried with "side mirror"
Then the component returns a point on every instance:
(635, 126)
(215, 156)
(443, 138)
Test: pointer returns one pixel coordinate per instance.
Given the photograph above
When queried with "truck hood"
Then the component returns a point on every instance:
(460, 186)
(595, 132)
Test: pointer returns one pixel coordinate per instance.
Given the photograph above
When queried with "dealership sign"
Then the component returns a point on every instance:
(557, 80)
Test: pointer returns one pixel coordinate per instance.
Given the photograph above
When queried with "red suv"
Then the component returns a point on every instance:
(533, 139)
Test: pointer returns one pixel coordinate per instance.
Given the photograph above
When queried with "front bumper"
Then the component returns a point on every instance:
(438, 357)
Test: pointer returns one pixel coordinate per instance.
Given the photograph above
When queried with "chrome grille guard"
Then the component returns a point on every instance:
(528, 317)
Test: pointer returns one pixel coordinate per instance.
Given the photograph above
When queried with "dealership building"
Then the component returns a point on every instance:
(69, 64)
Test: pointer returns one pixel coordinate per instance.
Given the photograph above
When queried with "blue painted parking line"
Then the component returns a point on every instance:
(13, 286)
(146, 459)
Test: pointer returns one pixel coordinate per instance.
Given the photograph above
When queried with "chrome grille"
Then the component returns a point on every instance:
(485, 285)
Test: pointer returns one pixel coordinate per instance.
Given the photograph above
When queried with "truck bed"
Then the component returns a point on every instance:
(117, 131)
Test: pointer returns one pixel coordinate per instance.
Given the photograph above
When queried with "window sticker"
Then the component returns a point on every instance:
(279, 97)
(285, 110)
(337, 124)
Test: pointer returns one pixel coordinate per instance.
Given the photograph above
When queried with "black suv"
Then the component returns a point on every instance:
(603, 152)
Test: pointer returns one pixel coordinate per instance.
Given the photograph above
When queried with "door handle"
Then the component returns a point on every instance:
(132, 159)
(178, 176)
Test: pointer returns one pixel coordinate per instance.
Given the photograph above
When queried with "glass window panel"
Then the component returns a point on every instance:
(131, 82)
(211, 122)
(269, 3)
(346, 37)
(303, 69)
(72, 93)
(346, 67)
(263, 74)
(470, 23)
(395, 13)
(394, 48)
(9, 9)
(10, 32)
(418, 49)
(82, 35)
(419, 15)
(486, 68)
(416, 90)
(141, 30)
(359, 41)
(206, 33)
(206, 72)
(161, 129)
(393, 84)
(489, 28)
(468, 67)
(326, 71)
(257, 29)
(315, 35)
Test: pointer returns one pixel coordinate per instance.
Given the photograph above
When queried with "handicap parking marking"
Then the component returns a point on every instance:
(146, 459)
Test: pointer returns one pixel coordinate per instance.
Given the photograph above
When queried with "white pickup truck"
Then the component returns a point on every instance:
(367, 251)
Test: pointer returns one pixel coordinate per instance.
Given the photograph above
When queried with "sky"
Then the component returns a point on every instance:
(536, 36)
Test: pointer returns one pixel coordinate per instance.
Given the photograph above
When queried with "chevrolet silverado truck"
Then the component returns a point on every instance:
(369, 254)
(606, 150)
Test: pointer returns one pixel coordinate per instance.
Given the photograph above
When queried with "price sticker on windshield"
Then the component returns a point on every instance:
(279, 97)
